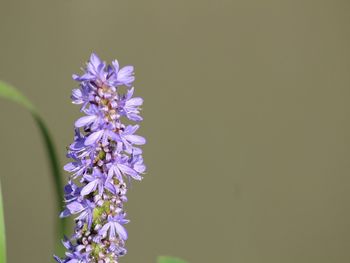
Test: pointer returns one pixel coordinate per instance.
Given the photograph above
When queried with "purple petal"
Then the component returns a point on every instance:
(77, 96)
(140, 168)
(115, 65)
(75, 207)
(126, 71)
(104, 229)
(110, 187)
(121, 231)
(130, 93)
(134, 117)
(58, 259)
(134, 102)
(129, 171)
(136, 139)
(89, 188)
(125, 76)
(95, 60)
(100, 188)
(65, 213)
(85, 120)
(111, 134)
(131, 129)
(75, 77)
(93, 137)
(69, 167)
(115, 170)
(112, 231)
(89, 177)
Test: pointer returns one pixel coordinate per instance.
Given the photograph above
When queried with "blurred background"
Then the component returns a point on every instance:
(246, 114)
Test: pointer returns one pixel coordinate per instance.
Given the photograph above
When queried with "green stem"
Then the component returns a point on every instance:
(2, 231)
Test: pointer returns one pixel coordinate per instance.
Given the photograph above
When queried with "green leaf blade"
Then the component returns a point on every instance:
(10, 93)
(164, 259)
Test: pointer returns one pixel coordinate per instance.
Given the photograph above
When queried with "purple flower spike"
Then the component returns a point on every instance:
(104, 155)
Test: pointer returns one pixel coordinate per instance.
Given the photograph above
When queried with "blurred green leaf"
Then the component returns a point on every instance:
(164, 259)
(10, 93)
(2, 231)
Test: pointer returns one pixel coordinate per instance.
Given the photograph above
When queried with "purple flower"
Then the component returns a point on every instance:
(128, 138)
(129, 106)
(78, 167)
(102, 136)
(80, 96)
(136, 162)
(103, 154)
(95, 71)
(119, 167)
(115, 227)
(97, 180)
(94, 118)
(125, 75)
(71, 191)
(84, 208)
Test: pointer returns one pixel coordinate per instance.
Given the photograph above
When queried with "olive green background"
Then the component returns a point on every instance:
(246, 113)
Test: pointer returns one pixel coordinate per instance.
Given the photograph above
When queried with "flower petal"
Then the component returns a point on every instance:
(136, 139)
(90, 187)
(104, 229)
(134, 117)
(129, 171)
(95, 60)
(125, 76)
(85, 120)
(75, 207)
(121, 231)
(93, 137)
(115, 65)
(70, 167)
(134, 102)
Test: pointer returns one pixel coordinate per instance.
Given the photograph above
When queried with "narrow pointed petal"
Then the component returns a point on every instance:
(104, 229)
(135, 102)
(85, 121)
(115, 65)
(75, 207)
(129, 171)
(121, 231)
(90, 187)
(93, 137)
(136, 139)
